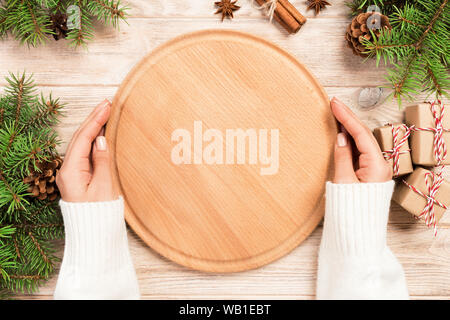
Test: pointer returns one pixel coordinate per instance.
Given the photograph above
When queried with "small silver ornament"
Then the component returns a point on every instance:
(369, 97)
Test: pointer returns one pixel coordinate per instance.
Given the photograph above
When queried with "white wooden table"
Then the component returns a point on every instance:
(83, 78)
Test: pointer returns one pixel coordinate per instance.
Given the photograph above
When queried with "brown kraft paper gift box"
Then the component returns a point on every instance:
(413, 202)
(422, 142)
(384, 136)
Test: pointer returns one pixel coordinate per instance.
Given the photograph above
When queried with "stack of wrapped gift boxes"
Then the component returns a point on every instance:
(417, 151)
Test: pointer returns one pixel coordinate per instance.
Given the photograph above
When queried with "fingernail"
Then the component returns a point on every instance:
(100, 143)
(104, 104)
(341, 139)
(337, 101)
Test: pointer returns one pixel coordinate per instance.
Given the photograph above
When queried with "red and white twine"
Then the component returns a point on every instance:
(395, 153)
(440, 147)
(433, 182)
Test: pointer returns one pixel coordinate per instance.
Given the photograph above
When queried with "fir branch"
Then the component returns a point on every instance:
(6, 253)
(48, 3)
(434, 79)
(16, 248)
(27, 224)
(31, 227)
(41, 209)
(3, 17)
(27, 22)
(39, 247)
(417, 48)
(48, 112)
(7, 138)
(109, 11)
(400, 83)
(37, 28)
(21, 91)
(27, 277)
(411, 22)
(5, 232)
(19, 98)
(431, 24)
(32, 21)
(13, 194)
(79, 37)
(28, 150)
(5, 103)
(387, 6)
(47, 230)
(379, 47)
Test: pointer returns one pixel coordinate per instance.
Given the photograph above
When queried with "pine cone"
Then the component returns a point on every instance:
(358, 30)
(42, 183)
(59, 25)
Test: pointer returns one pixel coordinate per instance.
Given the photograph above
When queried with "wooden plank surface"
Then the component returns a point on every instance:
(83, 78)
(319, 45)
(424, 259)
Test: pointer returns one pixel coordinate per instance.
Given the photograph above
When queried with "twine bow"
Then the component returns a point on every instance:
(395, 153)
(433, 182)
(440, 147)
(270, 7)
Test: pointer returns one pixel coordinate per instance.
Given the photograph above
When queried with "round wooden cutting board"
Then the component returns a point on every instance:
(222, 145)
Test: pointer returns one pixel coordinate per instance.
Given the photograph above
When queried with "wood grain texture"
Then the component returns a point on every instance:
(112, 55)
(83, 79)
(222, 216)
(176, 9)
(425, 260)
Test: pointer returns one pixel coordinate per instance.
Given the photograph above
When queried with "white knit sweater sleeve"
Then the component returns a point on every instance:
(97, 262)
(354, 259)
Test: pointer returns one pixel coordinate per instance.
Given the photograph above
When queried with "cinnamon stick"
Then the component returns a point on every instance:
(284, 17)
(287, 15)
(293, 11)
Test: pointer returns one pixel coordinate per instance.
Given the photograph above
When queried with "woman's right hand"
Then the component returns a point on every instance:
(357, 156)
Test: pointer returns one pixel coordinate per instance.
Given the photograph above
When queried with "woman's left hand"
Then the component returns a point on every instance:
(85, 175)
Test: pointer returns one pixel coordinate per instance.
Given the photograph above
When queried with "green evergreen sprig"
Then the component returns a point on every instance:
(27, 225)
(416, 50)
(359, 6)
(30, 21)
